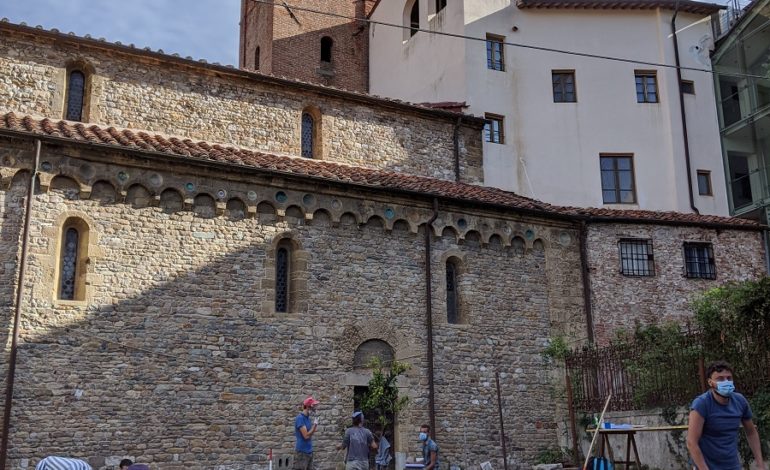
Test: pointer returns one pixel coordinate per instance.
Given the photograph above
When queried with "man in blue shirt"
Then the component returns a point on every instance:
(303, 431)
(429, 449)
(715, 418)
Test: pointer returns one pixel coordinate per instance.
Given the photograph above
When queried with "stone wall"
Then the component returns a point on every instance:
(180, 98)
(621, 301)
(177, 357)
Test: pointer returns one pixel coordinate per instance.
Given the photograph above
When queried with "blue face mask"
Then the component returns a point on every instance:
(725, 388)
(423, 436)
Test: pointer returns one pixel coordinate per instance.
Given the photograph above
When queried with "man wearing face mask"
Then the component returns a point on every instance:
(429, 449)
(303, 431)
(715, 418)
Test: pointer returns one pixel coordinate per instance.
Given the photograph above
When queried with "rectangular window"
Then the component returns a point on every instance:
(636, 257)
(493, 129)
(563, 86)
(688, 86)
(699, 261)
(495, 58)
(618, 179)
(440, 5)
(646, 87)
(704, 183)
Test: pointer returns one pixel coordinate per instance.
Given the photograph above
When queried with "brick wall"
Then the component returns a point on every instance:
(621, 301)
(184, 101)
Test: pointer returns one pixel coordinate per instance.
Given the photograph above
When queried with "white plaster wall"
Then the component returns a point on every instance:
(552, 149)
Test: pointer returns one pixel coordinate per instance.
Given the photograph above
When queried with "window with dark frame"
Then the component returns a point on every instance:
(563, 86)
(282, 279)
(493, 129)
(308, 131)
(636, 258)
(704, 183)
(76, 88)
(688, 86)
(646, 87)
(699, 261)
(617, 174)
(414, 18)
(495, 57)
(326, 49)
(440, 5)
(69, 264)
(452, 315)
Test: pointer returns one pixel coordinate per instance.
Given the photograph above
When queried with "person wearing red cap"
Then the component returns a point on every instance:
(303, 431)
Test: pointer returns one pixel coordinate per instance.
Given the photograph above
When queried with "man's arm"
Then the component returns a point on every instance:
(308, 434)
(694, 432)
(432, 463)
(345, 441)
(372, 442)
(752, 436)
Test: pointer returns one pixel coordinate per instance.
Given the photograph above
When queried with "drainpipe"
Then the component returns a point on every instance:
(429, 319)
(456, 141)
(584, 274)
(681, 107)
(17, 312)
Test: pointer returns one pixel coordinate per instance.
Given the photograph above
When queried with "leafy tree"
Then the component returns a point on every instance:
(381, 397)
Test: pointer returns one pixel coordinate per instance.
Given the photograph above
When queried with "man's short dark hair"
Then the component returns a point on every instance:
(718, 366)
(125, 463)
(425, 426)
(357, 420)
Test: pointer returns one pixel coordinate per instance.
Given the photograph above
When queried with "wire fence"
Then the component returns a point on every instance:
(664, 371)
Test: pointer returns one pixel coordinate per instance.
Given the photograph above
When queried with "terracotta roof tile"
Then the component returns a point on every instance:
(688, 6)
(334, 172)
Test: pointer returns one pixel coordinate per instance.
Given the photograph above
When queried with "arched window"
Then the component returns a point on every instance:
(414, 18)
(76, 88)
(72, 259)
(256, 59)
(452, 305)
(370, 349)
(326, 49)
(308, 135)
(282, 276)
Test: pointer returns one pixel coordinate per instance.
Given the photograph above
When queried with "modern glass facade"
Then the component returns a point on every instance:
(742, 81)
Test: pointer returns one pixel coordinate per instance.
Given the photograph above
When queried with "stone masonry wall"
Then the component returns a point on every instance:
(619, 301)
(177, 358)
(145, 93)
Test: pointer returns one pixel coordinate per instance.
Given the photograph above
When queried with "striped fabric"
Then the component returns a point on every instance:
(62, 463)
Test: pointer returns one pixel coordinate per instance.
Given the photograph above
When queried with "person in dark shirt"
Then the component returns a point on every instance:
(715, 418)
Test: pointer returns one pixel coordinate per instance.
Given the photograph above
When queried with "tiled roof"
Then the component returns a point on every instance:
(335, 172)
(372, 100)
(687, 6)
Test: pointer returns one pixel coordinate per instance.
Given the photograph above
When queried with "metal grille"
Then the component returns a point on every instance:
(451, 294)
(699, 261)
(75, 92)
(646, 88)
(495, 53)
(563, 87)
(307, 135)
(636, 257)
(69, 262)
(282, 280)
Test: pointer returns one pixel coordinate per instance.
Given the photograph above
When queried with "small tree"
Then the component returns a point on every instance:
(381, 398)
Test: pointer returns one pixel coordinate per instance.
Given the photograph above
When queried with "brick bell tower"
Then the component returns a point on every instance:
(279, 39)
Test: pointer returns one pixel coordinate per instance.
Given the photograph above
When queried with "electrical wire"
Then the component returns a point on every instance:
(512, 44)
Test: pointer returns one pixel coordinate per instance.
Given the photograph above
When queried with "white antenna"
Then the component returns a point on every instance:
(700, 51)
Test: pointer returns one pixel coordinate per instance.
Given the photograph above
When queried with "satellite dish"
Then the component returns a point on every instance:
(700, 51)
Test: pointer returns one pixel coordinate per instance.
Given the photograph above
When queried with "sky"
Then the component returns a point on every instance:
(202, 29)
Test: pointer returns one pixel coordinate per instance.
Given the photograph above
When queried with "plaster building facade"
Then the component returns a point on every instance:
(207, 246)
(575, 129)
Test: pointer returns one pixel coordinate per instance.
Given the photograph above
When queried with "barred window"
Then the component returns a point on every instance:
(76, 87)
(636, 258)
(69, 264)
(495, 58)
(699, 261)
(308, 130)
(282, 267)
(452, 315)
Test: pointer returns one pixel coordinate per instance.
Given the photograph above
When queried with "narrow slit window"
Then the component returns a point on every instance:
(326, 49)
(282, 279)
(452, 314)
(414, 18)
(440, 5)
(256, 59)
(69, 264)
(76, 88)
(308, 131)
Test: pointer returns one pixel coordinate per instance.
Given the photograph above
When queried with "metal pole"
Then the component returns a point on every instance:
(429, 320)
(17, 313)
(502, 427)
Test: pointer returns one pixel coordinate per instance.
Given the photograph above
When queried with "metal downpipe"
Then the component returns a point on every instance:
(429, 319)
(17, 313)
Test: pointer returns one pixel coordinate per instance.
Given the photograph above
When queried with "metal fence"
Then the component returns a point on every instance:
(669, 371)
